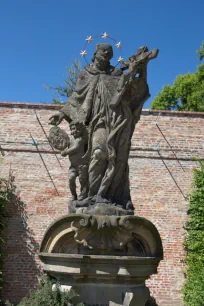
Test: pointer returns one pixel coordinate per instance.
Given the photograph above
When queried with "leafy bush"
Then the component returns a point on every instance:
(194, 243)
(6, 190)
(45, 296)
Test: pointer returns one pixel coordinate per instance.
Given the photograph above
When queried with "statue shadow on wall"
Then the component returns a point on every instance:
(20, 269)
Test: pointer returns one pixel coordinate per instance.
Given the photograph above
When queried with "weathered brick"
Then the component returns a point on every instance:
(159, 182)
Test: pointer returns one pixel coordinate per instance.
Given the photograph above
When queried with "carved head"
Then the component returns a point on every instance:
(104, 52)
(76, 129)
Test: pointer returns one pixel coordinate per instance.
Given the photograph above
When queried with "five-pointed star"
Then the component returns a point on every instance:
(83, 53)
(118, 45)
(120, 59)
(89, 39)
(104, 35)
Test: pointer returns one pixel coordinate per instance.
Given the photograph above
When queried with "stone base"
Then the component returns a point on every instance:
(106, 259)
(103, 280)
(99, 206)
(111, 295)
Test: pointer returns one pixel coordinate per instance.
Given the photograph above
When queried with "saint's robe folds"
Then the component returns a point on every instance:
(110, 128)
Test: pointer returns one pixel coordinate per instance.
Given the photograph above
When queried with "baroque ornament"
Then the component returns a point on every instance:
(103, 232)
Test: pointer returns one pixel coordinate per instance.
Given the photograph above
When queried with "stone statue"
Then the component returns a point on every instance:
(108, 102)
(75, 148)
(79, 165)
(101, 249)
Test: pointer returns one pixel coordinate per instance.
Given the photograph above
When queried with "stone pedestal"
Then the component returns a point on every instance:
(106, 259)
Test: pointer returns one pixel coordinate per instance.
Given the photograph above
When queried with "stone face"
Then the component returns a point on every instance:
(160, 201)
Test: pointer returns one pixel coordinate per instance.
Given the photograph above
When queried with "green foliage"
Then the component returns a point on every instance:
(194, 243)
(186, 93)
(201, 51)
(61, 93)
(6, 190)
(166, 99)
(45, 296)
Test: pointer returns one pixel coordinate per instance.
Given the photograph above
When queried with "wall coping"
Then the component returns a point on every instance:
(31, 105)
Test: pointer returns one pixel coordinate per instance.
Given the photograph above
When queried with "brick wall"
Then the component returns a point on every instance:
(160, 181)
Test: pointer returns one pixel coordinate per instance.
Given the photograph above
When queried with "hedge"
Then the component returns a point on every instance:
(194, 243)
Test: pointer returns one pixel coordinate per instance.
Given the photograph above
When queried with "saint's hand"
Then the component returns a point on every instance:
(64, 152)
(56, 119)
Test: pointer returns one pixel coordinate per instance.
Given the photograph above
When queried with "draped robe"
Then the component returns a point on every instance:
(110, 128)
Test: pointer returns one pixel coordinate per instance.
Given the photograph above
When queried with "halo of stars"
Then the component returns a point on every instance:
(104, 36)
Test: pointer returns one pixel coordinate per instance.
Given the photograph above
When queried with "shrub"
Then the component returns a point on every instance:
(45, 296)
(7, 188)
(194, 243)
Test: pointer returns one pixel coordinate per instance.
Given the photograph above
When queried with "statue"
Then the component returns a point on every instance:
(79, 165)
(100, 246)
(107, 102)
(75, 148)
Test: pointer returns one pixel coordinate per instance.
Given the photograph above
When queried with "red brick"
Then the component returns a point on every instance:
(154, 192)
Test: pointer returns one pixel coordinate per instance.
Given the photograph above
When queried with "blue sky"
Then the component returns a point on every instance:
(40, 38)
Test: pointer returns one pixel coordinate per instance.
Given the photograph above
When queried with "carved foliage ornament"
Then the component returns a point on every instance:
(58, 138)
(103, 232)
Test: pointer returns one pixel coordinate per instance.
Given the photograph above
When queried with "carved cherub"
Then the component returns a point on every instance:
(79, 165)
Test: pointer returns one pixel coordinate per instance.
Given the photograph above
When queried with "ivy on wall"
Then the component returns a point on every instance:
(7, 189)
(194, 243)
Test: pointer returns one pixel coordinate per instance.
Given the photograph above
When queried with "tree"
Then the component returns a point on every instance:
(194, 243)
(61, 93)
(201, 51)
(186, 93)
